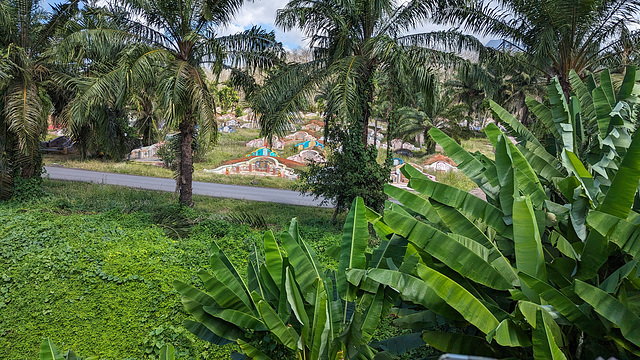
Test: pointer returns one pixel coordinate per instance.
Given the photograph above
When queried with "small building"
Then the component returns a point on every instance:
(226, 129)
(440, 162)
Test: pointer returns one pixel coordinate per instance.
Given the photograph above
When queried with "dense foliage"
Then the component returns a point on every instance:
(91, 267)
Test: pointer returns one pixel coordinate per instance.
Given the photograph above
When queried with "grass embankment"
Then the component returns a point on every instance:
(91, 267)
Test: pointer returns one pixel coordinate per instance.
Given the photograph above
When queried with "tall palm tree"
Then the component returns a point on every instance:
(556, 36)
(170, 44)
(26, 36)
(360, 48)
(351, 42)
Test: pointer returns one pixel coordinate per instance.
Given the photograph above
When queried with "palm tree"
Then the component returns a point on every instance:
(169, 44)
(360, 48)
(556, 36)
(353, 41)
(26, 36)
(441, 111)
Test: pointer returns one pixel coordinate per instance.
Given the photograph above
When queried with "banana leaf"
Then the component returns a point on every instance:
(611, 309)
(603, 110)
(528, 244)
(459, 298)
(307, 271)
(203, 333)
(459, 343)
(222, 295)
(628, 84)
(321, 325)
(561, 303)
(614, 229)
(286, 334)
(544, 346)
(509, 334)
(227, 274)
(447, 249)
(49, 351)
(607, 86)
(273, 257)
(413, 201)
(410, 288)
(476, 171)
(167, 352)
(472, 206)
(354, 243)
(561, 114)
(587, 110)
(619, 199)
(252, 352)
(506, 118)
(543, 114)
(613, 281)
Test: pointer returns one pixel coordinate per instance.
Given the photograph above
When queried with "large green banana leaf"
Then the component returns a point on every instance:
(561, 303)
(509, 334)
(607, 86)
(222, 295)
(167, 352)
(485, 178)
(413, 201)
(410, 288)
(294, 298)
(619, 199)
(513, 123)
(587, 110)
(544, 345)
(561, 115)
(528, 244)
(273, 257)
(48, 351)
(603, 110)
(321, 323)
(456, 254)
(619, 231)
(355, 237)
(543, 114)
(459, 343)
(252, 352)
(286, 334)
(470, 205)
(611, 309)
(307, 271)
(506, 176)
(227, 274)
(628, 84)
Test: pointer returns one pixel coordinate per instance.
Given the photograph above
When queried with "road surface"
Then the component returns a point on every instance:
(199, 188)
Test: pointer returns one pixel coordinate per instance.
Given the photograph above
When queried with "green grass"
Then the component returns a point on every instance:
(483, 145)
(89, 267)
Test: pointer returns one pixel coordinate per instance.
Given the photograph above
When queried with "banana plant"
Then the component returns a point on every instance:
(545, 268)
(290, 306)
(49, 351)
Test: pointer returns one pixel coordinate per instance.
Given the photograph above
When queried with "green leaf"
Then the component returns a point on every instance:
(273, 257)
(513, 123)
(613, 281)
(394, 250)
(286, 334)
(48, 351)
(561, 114)
(544, 345)
(478, 173)
(355, 236)
(506, 176)
(252, 352)
(238, 318)
(306, 269)
(543, 114)
(611, 309)
(528, 245)
(612, 228)
(619, 199)
(321, 326)
(203, 333)
(509, 334)
(413, 201)
(629, 82)
(221, 294)
(167, 352)
(447, 249)
(227, 274)
(607, 86)
(603, 110)
(458, 343)
(410, 289)
(297, 305)
(576, 167)
(472, 206)
(587, 110)
(560, 302)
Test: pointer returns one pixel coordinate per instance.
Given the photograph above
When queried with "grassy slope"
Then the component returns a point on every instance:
(90, 269)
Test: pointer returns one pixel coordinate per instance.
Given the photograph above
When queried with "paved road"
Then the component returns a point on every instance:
(169, 185)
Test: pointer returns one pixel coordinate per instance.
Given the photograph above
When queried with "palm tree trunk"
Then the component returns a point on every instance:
(185, 169)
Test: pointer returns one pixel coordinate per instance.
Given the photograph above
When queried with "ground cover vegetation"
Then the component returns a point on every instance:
(91, 266)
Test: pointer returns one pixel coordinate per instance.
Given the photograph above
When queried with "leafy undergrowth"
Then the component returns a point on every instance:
(90, 267)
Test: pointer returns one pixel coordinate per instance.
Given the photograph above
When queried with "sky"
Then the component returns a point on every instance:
(263, 13)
